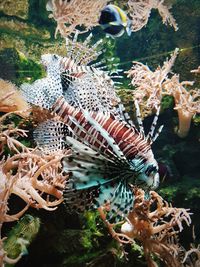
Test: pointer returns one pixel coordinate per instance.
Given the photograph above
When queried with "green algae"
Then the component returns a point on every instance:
(17, 68)
(187, 189)
(20, 236)
(17, 8)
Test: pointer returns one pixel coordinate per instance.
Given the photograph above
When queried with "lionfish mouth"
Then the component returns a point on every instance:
(44, 63)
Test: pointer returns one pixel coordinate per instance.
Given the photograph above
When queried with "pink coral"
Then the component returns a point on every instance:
(70, 14)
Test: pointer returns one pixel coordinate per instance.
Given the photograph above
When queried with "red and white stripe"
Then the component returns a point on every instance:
(128, 139)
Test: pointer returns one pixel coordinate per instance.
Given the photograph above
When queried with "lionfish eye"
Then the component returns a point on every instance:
(55, 57)
(150, 170)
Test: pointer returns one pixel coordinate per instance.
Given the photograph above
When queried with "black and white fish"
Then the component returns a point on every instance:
(114, 21)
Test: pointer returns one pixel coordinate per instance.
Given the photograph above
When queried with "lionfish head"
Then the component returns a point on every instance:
(50, 60)
(147, 175)
(151, 175)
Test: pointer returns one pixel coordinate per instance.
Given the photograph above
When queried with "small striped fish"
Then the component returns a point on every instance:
(108, 156)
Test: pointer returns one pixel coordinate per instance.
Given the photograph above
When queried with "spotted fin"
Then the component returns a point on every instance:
(121, 201)
(80, 200)
(89, 168)
(117, 193)
(51, 135)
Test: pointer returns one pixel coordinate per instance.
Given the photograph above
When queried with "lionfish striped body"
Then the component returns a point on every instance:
(108, 155)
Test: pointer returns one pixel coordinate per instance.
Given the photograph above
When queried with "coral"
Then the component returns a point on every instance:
(140, 11)
(36, 178)
(152, 86)
(11, 99)
(192, 256)
(153, 224)
(187, 103)
(149, 84)
(196, 71)
(73, 13)
(36, 175)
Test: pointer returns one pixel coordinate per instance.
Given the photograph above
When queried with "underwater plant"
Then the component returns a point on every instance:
(140, 11)
(154, 225)
(70, 14)
(150, 87)
(19, 238)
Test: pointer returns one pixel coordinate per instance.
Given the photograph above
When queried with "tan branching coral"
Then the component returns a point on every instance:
(11, 99)
(35, 177)
(154, 224)
(148, 84)
(140, 11)
(192, 257)
(150, 87)
(197, 71)
(73, 13)
(187, 103)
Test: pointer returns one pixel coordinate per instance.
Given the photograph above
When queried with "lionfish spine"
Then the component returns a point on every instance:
(68, 64)
(88, 39)
(128, 139)
(153, 126)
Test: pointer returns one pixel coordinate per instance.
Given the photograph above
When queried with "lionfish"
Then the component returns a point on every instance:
(83, 84)
(109, 155)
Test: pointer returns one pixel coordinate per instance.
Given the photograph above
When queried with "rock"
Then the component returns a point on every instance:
(17, 8)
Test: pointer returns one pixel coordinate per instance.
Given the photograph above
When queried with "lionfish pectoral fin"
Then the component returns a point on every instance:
(121, 202)
(80, 200)
(51, 135)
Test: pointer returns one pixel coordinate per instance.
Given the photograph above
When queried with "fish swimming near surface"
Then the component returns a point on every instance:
(114, 21)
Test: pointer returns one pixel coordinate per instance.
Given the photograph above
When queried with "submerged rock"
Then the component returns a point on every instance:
(17, 8)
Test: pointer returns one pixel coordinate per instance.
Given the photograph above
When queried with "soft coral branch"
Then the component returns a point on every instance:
(155, 225)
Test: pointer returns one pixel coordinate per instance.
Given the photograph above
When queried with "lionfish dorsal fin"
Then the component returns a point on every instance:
(152, 135)
(139, 117)
(83, 53)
